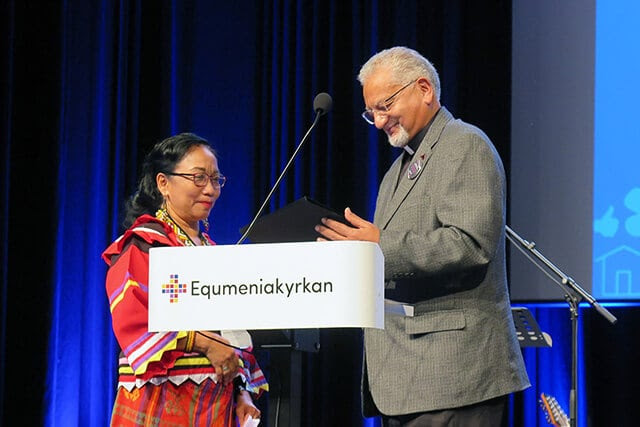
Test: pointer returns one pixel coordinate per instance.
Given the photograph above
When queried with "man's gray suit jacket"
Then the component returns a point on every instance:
(442, 235)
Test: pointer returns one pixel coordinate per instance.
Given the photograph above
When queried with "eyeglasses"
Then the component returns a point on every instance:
(202, 179)
(383, 108)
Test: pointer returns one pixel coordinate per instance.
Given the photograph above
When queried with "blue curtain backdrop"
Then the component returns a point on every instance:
(89, 87)
(95, 124)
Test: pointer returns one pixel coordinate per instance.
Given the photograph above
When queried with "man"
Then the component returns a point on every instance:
(439, 220)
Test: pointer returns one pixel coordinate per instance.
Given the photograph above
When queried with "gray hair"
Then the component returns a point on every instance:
(405, 65)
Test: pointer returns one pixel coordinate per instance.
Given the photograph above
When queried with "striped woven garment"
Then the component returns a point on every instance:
(160, 385)
(167, 404)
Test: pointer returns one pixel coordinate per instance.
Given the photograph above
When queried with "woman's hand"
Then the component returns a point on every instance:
(245, 407)
(223, 358)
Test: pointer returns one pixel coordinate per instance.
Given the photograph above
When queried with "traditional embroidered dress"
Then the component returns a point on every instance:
(158, 384)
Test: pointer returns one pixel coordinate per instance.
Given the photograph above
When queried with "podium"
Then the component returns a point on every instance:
(281, 290)
(266, 286)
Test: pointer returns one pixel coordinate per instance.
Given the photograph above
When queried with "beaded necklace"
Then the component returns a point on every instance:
(164, 216)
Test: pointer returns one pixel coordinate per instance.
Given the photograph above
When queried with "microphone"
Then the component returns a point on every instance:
(322, 104)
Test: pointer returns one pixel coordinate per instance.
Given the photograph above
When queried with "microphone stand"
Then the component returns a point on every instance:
(573, 294)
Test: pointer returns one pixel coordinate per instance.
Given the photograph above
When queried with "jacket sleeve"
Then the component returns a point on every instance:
(148, 353)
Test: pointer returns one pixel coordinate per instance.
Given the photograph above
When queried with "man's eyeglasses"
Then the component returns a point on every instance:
(383, 108)
(201, 179)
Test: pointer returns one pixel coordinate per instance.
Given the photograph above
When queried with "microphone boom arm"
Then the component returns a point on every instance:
(566, 283)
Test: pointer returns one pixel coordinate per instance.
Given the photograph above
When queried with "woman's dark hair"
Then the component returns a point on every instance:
(163, 157)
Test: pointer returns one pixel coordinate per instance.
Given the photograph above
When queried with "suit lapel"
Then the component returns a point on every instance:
(386, 192)
(421, 157)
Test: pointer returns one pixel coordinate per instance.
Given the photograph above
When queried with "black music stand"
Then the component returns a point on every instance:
(527, 329)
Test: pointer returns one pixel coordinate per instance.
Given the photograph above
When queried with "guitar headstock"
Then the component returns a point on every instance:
(553, 411)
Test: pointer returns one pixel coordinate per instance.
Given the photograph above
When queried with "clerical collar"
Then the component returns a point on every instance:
(413, 145)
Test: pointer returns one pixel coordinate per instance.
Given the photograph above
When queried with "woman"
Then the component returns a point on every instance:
(181, 378)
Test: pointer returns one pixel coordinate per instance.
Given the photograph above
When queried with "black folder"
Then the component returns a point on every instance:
(294, 222)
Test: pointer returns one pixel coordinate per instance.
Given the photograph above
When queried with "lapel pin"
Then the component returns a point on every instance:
(414, 168)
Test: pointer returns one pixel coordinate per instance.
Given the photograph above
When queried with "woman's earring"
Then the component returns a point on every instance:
(205, 225)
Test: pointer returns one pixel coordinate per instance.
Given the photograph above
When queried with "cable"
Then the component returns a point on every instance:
(535, 262)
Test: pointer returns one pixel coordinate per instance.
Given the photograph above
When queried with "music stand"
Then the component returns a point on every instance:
(527, 329)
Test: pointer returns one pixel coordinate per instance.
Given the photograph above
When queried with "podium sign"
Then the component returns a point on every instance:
(266, 286)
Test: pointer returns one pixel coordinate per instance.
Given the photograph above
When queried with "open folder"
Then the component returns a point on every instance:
(294, 222)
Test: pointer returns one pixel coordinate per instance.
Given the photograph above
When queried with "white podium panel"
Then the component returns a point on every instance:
(266, 286)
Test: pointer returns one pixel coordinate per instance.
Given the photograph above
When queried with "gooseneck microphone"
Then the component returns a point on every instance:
(321, 105)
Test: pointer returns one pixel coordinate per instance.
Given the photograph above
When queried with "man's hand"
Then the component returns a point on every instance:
(360, 229)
